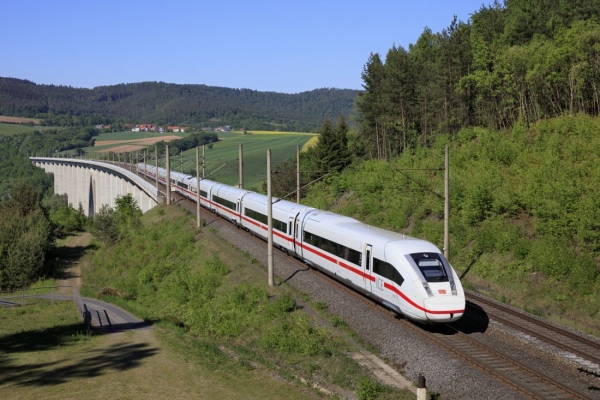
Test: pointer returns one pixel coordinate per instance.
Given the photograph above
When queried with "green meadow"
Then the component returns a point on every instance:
(15, 129)
(224, 156)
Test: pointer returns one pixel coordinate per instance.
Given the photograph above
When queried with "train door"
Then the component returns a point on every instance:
(292, 235)
(211, 204)
(367, 267)
(297, 238)
(238, 216)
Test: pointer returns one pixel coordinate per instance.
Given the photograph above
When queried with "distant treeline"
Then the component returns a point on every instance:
(162, 103)
(521, 60)
(189, 142)
(15, 166)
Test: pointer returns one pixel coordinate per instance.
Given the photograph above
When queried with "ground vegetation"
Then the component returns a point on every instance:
(26, 236)
(524, 210)
(192, 283)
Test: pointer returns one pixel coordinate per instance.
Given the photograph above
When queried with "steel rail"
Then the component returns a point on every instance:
(579, 345)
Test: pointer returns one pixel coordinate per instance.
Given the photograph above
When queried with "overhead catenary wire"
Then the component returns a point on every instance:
(302, 187)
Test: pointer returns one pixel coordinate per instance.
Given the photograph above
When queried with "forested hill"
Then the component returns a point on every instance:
(162, 103)
(516, 60)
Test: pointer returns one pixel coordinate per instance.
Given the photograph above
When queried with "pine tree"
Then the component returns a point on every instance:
(331, 153)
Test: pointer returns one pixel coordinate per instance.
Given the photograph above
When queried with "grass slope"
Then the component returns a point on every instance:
(46, 355)
(212, 305)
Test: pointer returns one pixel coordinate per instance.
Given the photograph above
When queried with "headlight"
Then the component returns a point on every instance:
(453, 288)
(428, 289)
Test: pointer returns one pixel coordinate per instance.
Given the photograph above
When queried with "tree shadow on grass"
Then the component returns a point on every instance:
(40, 339)
(97, 362)
(62, 258)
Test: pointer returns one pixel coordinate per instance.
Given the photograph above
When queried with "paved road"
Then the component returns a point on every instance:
(110, 318)
(107, 317)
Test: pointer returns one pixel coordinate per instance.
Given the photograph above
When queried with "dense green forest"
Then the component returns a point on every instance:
(162, 103)
(520, 61)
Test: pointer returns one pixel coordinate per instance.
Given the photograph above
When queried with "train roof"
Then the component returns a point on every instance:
(290, 206)
(223, 187)
(280, 204)
(352, 226)
(204, 182)
(180, 176)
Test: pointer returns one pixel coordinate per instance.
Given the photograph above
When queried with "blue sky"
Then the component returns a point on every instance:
(266, 45)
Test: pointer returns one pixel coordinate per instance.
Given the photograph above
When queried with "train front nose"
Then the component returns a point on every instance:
(444, 308)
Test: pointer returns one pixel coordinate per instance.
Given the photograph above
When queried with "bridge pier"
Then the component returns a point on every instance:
(94, 183)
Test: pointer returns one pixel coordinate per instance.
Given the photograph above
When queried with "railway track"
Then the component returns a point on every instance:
(531, 382)
(560, 338)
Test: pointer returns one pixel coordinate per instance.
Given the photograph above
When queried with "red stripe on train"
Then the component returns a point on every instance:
(415, 305)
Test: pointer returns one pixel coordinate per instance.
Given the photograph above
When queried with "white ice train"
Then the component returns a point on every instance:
(407, 275)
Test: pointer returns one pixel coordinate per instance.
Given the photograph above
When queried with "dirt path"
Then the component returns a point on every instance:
(105, 316)
(73, 250)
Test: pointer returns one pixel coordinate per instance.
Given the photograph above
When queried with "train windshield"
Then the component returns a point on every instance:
(431, 266)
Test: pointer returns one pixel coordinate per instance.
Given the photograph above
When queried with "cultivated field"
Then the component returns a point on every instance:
(145, 141)
(124, 146)
(222, 159)
(18, 120)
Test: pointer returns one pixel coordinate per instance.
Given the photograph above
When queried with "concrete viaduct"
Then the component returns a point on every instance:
(95, 183)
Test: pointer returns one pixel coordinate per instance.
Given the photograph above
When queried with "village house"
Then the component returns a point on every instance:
(147, 128)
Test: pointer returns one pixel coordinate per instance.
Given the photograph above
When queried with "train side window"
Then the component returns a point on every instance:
(388, 271)
(368, 260)
(224, 202)
(334, 248)
(278, 225)
(183, 185)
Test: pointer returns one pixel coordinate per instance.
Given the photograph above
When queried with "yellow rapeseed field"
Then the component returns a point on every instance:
(310, 143)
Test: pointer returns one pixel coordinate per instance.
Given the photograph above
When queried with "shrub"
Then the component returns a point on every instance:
(551, 256)
(105, 226)
(295, 335)
(369, 389)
